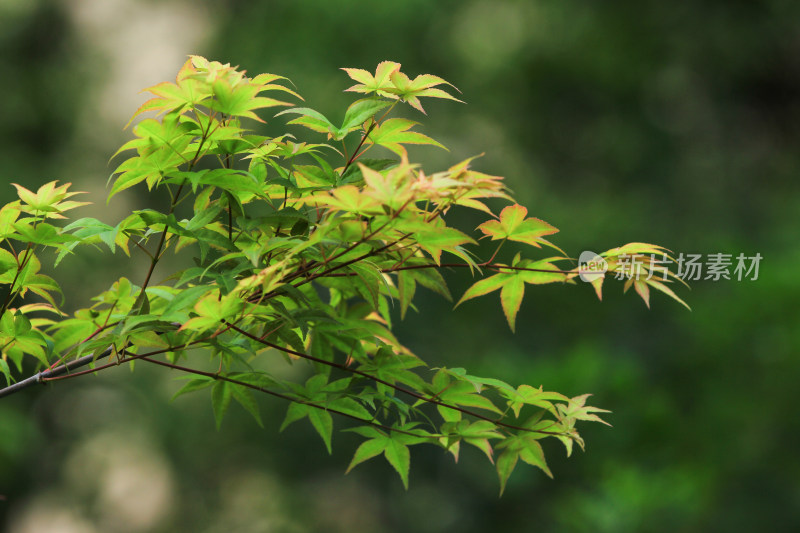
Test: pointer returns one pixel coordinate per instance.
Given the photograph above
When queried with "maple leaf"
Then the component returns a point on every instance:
(380, 83)
(393, 133)
(423, 85)
(513, 226)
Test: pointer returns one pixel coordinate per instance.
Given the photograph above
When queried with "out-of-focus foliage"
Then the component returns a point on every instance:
(685, 113)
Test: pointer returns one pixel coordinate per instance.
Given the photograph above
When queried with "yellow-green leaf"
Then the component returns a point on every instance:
(511, 298)
(513, 226)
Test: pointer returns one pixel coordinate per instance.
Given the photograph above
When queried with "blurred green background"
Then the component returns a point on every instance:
(669, 122)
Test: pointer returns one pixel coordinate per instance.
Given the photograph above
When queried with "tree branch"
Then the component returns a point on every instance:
(398, 388)
(40, 377)
(285, 397)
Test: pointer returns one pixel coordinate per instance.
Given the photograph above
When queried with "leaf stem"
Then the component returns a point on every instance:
(355, 152)
(20, 267)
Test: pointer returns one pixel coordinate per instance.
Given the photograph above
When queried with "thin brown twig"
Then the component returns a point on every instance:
(220, 377)
(384, 382)
(355, 152)
(489, 266)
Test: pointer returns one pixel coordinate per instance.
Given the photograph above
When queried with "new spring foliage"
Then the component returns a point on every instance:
(305, 251)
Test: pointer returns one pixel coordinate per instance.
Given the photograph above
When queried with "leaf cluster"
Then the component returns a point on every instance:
(304, 252)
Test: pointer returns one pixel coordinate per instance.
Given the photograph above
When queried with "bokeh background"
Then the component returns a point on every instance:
(669, 122)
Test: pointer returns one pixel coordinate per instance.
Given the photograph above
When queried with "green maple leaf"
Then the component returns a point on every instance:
(423, 85)
(513, 226)
(394, 132)
(379, 84)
